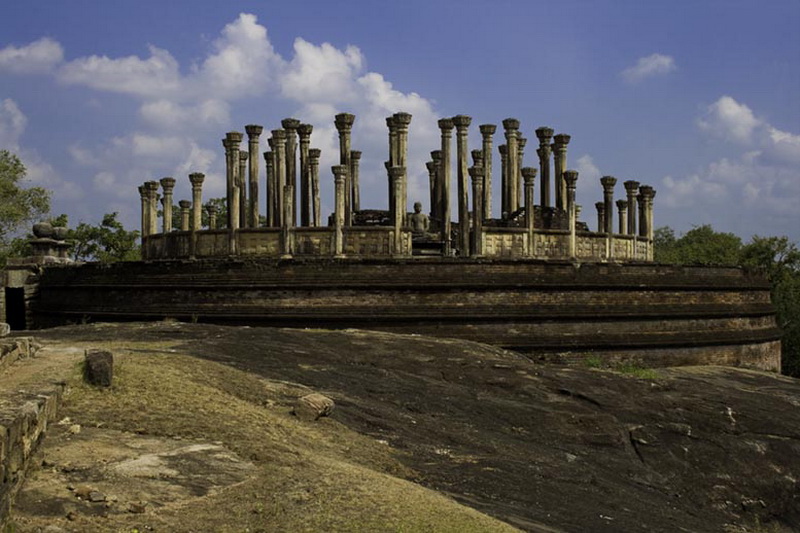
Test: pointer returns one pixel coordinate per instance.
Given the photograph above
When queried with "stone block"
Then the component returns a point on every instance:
(99, 368)
(313, 406)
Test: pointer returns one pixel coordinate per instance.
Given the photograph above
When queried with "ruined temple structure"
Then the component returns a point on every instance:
(534, 279)
(547, 230)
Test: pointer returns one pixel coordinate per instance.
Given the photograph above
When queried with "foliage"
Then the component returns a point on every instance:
(106, 242)
(699, 246)
(18, 205)
(776, 257)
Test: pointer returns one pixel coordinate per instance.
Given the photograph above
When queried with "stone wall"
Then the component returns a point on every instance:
(24, 417)
(557, 309)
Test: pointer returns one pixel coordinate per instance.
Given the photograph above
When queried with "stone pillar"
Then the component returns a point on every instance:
(462, 123)
(253, 132)
(476, 172)
(167, 186)
(355, 160)
(242, 184)
(304, 130)
(290, 125)
(313, 168)
(446, 126)
(226, 143)
(648, 193)
(279, 170)
(632, 189)
(234, 138)
(505, 201)
(340, 180)
(622, 210)
(431, 166)
(601, 216)
(559, 166)
(287, 244)
(521, 142)
(512, 174)
(608, 183)
(269, 162)
(396, 176)
(145, 210)
(544, 134)
(211, 209)
(571, 180)
(402, 121)
(344, 125)
(392, 161)
(152, 199)
(197, 178)
(487, 130)
(436, 198)
(529, 176)
(185, 206)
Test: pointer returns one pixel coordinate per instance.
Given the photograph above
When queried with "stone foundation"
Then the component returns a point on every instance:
(657, 315)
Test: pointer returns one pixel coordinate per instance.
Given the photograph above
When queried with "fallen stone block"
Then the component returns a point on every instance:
(99, 368)
(313, 406)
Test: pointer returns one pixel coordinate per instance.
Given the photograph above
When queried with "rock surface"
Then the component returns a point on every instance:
(540, 446)
(313, 406)
(99, 368)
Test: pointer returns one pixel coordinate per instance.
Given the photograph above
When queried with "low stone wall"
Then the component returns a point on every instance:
(13, 349)
(555, 309)
(24, 417)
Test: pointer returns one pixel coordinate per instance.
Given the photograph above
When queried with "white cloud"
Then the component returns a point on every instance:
(322, 73)
(728, 119)
(648, 67)
(39, 56)
(12, 124)
(166, 115)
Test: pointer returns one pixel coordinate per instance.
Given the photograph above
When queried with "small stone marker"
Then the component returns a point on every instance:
(5, 329)
(313, 406)
(99, 369)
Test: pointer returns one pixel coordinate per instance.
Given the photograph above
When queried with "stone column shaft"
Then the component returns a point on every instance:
(287, 247)
(402, 121)
(253, 132)
(431, 167)
(529, 176)
(505, 201)
(622, 210)
(521, 142)
(392, 161)
(476, 173)
(560, 165)
(306, 201)
(340, 181)
(152, 199)
(355, 159)
(313, 162)
(186, 207)
(196, 179)
(487, 130)
(601, 216)
(233, 138)
(544, 134)
(462, 123)
(446, 127)
(396, 176)
(632, 189)
(242, 184)
(211, 209)
(290, 125)
(269, 162)
(511, 126)
(145, 210)
(608, 183)
(436, 197)
(167, 186)
(279, 169)
(344, 125)
(570, 180)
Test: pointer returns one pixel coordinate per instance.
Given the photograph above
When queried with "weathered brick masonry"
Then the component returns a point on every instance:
(651, 314)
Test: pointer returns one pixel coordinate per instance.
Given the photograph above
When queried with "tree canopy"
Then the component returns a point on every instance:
(18, 205)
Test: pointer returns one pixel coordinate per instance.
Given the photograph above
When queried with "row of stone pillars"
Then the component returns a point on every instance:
(639, 200)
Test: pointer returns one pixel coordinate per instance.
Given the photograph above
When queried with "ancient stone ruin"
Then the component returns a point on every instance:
(550, 229)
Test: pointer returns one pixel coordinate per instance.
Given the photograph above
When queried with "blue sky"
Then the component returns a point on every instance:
(700, 99)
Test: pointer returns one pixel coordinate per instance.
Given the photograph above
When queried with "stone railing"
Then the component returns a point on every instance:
(555, 244)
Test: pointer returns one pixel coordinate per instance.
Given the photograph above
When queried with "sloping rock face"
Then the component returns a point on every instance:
(576, 449)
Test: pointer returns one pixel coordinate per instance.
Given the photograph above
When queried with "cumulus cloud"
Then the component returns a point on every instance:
(762, 181)
(12, 124)
(648, 67)
(38, 57)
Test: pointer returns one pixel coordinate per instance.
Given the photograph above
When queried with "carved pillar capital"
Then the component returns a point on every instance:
(571, 177)
(511, 124)
(344, 122)
(544, 134)
(167, 184)
(487, 129)
(290, 124)
(402, 120)
(436, 155)
(253, 131)
(462, 122)
(608, 183)
(197, 178)
(355, 155)
(477, 158)
(529, 175)
(314, 153)
(446, 125)
(304, 131)
(234, 138)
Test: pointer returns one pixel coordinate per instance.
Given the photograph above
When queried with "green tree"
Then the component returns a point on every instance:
(19, 206)
(106, 242)
(699, 246)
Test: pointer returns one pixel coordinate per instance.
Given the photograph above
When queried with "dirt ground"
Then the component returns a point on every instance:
(427, 435)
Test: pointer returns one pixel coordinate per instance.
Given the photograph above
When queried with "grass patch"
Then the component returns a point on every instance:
(636, 371)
